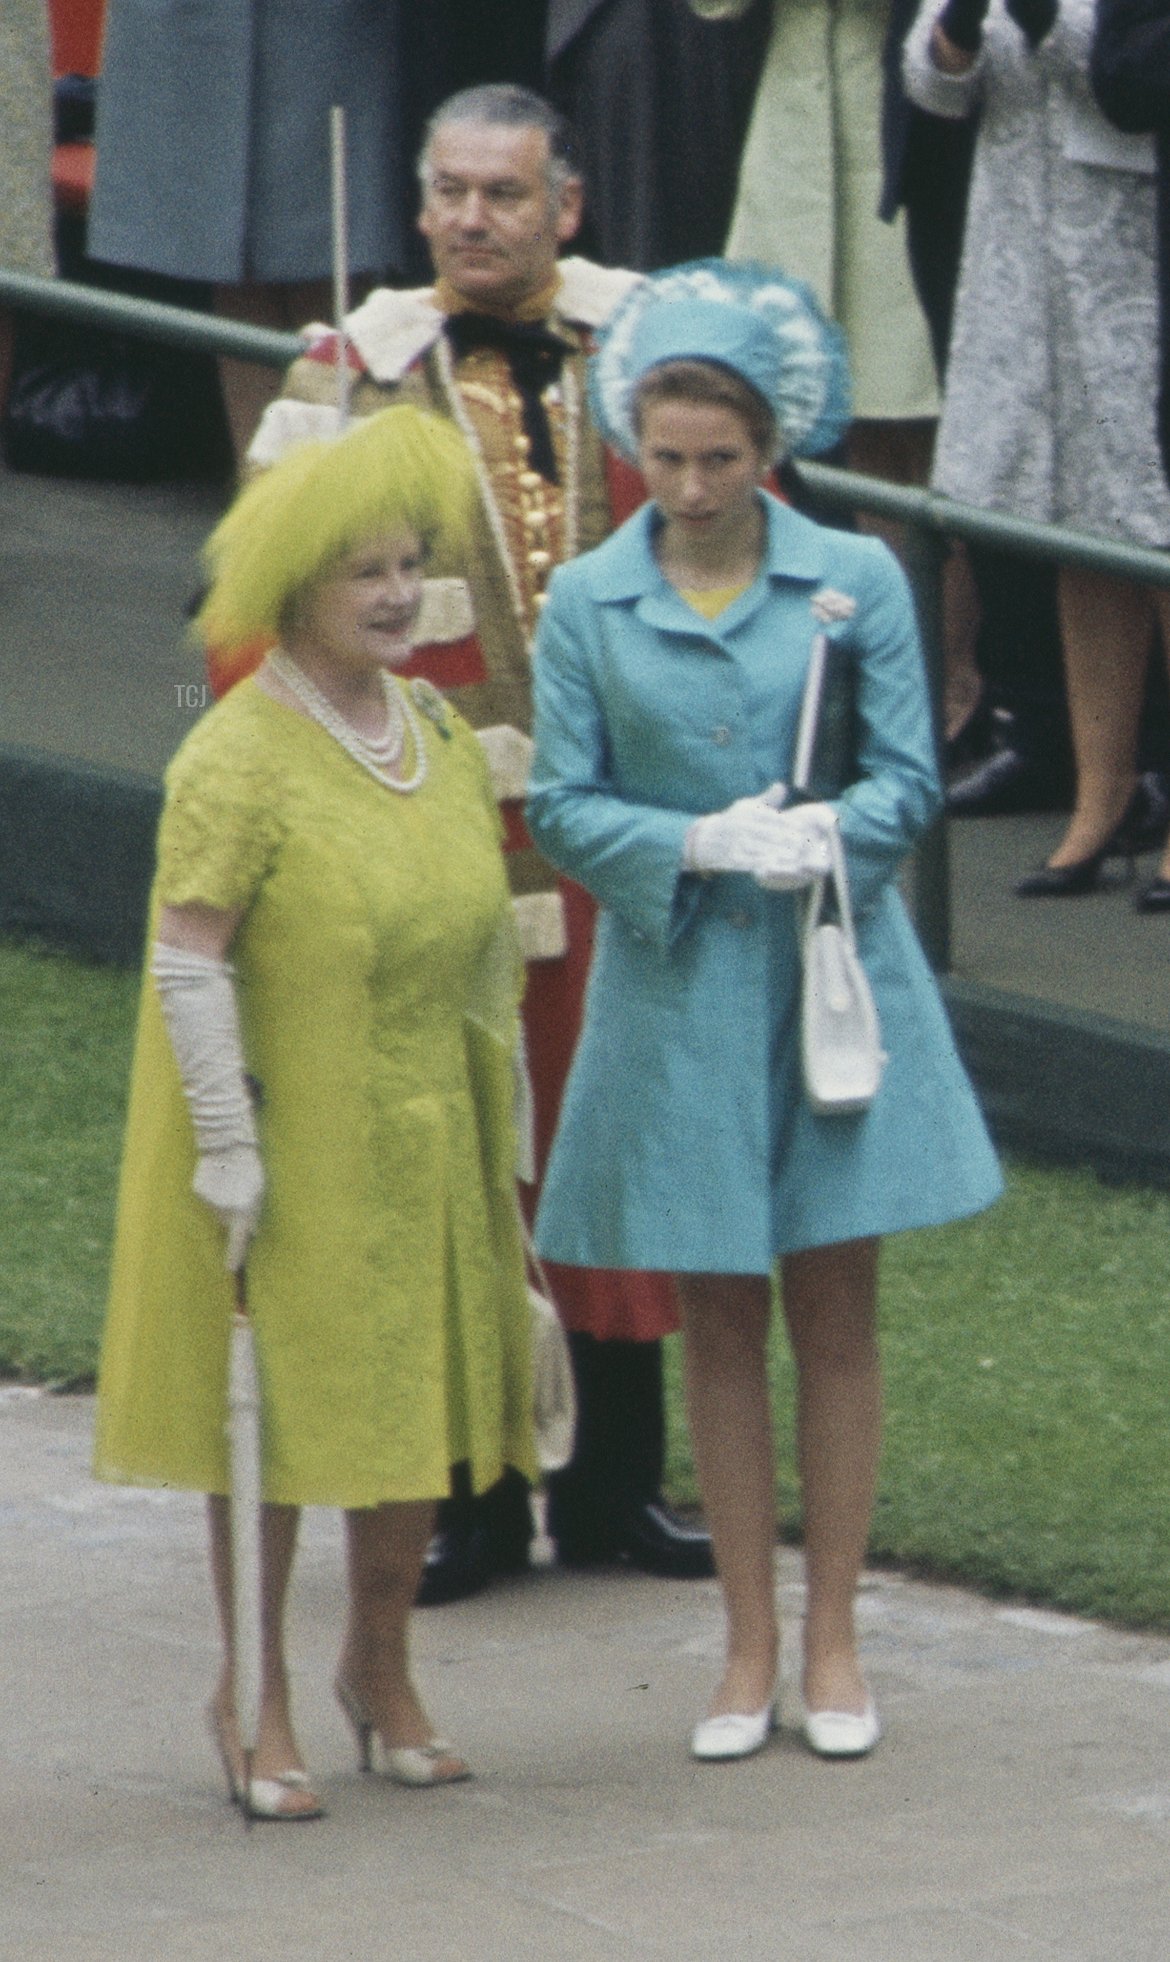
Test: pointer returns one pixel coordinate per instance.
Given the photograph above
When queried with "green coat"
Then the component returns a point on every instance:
(810, 185)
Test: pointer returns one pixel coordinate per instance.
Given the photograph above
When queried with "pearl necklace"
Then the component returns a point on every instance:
(376, 754)
(571, 397)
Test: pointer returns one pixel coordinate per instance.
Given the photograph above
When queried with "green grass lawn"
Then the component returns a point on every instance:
(1026, 1359)
(65, 1035)
(1026, 1352)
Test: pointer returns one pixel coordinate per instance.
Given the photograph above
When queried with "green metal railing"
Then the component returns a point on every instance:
(148, 320)
(928, 519)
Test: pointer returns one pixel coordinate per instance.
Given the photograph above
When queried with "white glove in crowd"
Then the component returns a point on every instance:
(783, 850)
(198, 1004)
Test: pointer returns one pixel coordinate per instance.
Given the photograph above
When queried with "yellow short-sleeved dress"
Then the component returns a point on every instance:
(378, 987)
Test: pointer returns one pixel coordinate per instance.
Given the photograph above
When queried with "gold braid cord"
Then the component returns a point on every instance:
(535, 522)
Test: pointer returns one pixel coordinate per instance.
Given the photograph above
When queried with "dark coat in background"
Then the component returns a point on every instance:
(1130, 73)
(926, 168)
(660, 103)
(213, 138)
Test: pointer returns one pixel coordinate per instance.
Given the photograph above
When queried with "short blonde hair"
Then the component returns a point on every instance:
(291, 527)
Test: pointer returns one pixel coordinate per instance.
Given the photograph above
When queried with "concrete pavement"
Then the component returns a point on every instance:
(1018, 1808)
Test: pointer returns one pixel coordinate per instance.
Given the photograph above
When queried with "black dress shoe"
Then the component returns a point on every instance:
(462, 1563)
(456, 1565)
(658, 1541)
(1154, 897)
(1006, 783)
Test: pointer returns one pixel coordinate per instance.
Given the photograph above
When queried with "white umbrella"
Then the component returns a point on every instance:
(244, 1454)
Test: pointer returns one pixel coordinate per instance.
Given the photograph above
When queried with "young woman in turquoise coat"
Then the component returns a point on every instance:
(670, 670)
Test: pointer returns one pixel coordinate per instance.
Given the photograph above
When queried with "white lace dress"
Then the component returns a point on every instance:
(1049, 405)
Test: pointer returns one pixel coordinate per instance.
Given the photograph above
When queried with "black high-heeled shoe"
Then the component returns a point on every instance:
(1145, 821)
(1154, 897)
(1127, 837)
(1065, 881)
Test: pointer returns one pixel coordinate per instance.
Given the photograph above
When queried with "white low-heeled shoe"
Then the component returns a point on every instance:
(842, 1733)
(736, 1734)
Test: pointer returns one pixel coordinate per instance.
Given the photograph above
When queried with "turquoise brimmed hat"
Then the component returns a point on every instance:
(765, 327)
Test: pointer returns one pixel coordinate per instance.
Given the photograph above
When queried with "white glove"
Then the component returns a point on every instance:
(231, 1182)
(198, 1004)
(743, 838)
(805, 852)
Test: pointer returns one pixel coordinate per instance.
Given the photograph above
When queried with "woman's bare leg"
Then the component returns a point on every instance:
(385, 1546)
(830, 1305)
(1161, 603)
(900, 453)
(1106, 626)
(276, 1746)
(248, 386)
(725, 1328)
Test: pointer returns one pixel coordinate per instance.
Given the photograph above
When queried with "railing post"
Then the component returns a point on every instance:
(924, 554)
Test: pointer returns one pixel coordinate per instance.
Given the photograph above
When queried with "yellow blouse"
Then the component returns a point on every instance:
(711, 601)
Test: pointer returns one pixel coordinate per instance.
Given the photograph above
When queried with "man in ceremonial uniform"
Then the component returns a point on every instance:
(499, 344)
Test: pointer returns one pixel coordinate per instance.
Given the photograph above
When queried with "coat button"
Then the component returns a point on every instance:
(721, 734)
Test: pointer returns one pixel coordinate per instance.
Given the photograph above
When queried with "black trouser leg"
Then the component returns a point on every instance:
(502, 1512)
(618, 1456)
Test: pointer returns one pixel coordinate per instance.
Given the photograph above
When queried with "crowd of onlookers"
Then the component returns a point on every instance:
(975, 189)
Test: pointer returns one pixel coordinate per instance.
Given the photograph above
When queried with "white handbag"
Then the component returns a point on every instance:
(840, 1037)
(841, 1052)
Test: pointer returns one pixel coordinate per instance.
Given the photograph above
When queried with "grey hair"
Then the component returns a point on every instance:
(509, 107)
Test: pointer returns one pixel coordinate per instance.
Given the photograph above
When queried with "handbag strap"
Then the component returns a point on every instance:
(838, 877)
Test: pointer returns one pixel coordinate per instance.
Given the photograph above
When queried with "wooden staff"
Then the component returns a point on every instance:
(340, 219)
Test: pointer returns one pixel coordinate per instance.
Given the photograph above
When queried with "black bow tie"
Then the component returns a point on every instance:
(534, 355)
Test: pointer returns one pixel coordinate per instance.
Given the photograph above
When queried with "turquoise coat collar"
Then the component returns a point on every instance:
(624, 568)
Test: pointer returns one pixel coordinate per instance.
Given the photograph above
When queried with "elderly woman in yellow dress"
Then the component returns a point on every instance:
(323, 1089)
